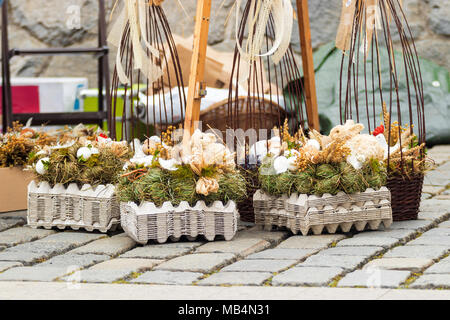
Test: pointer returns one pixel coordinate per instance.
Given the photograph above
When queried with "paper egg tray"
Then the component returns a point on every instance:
(302, 213)
(147, 222)
(86, 208)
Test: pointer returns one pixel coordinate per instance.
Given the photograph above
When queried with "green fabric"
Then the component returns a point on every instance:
(436, 87)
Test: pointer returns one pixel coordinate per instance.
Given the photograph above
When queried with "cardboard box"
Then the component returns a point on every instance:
(13, 188)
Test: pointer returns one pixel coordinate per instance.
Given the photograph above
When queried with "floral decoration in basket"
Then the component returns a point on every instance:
(74, 184)
(171, 190)
(322, 181)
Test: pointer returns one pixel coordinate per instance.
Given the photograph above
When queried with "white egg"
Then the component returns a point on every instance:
(281, 164)
(41, 168)
(313, 143)
(84, 153)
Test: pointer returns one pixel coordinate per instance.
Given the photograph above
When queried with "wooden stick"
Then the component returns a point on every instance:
(197, 71)
(308, 65)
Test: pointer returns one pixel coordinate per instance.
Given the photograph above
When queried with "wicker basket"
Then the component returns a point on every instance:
(302, 212)
(406, 194)
(245, 207)
(86, 207)
(253, 112)
(149, 222)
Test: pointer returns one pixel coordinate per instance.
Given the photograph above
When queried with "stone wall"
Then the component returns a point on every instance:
(45, 23)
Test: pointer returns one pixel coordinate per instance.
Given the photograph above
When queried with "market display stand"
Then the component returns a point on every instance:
(197, 86)
(100, 53)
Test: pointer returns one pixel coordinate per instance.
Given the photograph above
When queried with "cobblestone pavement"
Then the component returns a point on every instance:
(409, 255)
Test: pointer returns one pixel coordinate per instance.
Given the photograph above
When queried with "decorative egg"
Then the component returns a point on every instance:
(41, 168)
(84, 153)
(281, 164)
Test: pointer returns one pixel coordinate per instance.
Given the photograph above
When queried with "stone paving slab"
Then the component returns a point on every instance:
(401, 234)
(433, 189)
(31, 252)
(438, 177)
(419, 225)
(5, 265)
(240, 247)
(443, 267)
(432, 281)
(89, 275)
(199, 262)
(412, 251)
(15, 236)
(409, 264)
(307, 276)
(310, 242)
(374, 278)
(445, 224)
(77, 261)
(435, 216)
(157, 252)
(168, 277)
(437, 232)
(7, 223)
(344, 262)
(283, 254)
(236, 278)
(274, 237)
(111, 246)
(75, 238)
(384, 242)
(131, 264)
(430, 241)
(33, 274)
(352, 251)
(434, 205)
(260, 265)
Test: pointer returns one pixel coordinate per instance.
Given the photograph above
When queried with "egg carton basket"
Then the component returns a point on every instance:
(302, 212)
(147, 221)
(90, 208)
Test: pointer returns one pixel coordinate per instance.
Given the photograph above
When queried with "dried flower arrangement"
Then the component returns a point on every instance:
(18, 143)
(93, 159)
(404, 155)
(75, 183)
(346, 160)
(317, 182)
(163, 171)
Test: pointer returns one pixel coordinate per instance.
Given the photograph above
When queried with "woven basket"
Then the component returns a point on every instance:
(406, 194)
(245, 207)
(256, 113)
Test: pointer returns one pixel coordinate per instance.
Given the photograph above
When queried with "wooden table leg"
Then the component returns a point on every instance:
(308, 65)
(196, 88)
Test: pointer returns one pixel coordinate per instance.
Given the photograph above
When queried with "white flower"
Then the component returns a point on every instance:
(170, 164)
(281, 164)
(94, 150)
(41, 166)
(84, 153)
(356, 161)
(313, 143)
(41, 152)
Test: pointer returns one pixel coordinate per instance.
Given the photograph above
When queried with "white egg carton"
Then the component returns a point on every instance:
(302, 212)
(89, 208)
(147, 221)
